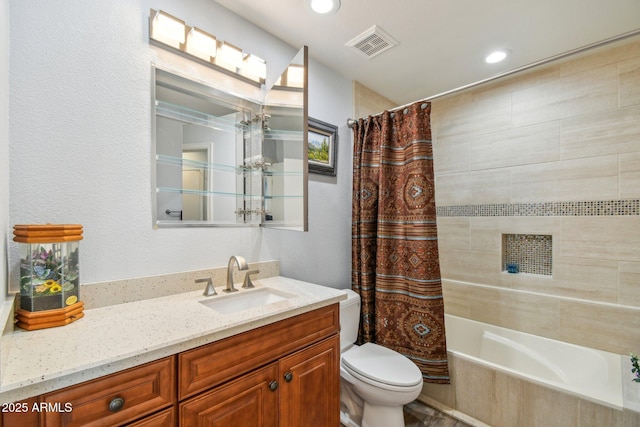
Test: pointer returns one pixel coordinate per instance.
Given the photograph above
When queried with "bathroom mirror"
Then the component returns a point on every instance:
(220, 159)
(284, 147)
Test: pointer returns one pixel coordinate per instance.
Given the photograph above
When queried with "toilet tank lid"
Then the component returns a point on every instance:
(352, 298)
(383, 365)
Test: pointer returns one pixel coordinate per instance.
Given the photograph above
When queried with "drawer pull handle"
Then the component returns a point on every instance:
(288, 377)
(273, 385)
(116, 404)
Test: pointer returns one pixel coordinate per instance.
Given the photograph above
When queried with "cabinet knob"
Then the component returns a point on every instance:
(273, 385)
(288, 377)
(116, 404)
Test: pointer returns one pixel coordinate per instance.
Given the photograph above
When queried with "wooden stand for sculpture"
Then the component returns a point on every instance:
(32, 320)
(49, 313)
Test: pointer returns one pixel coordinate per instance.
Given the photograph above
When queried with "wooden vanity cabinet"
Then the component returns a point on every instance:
(281, 375)
(299, 390)
(285, 374)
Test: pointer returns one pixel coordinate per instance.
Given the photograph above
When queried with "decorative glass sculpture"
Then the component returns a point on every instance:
(49, 266)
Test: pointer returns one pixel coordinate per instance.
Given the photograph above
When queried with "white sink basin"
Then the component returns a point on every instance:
(245, 300)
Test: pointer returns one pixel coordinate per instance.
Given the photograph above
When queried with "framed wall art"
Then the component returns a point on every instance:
(323, 147)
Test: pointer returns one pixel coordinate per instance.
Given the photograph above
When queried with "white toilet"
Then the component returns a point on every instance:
(375, 382)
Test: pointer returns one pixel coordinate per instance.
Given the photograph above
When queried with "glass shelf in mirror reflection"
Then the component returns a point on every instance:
(229, 123)
(224, 159)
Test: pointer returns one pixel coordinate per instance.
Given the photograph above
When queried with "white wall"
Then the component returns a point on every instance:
(80, 143)
(4, 138)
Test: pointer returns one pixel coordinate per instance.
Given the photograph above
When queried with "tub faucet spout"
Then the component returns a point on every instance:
(242, 265)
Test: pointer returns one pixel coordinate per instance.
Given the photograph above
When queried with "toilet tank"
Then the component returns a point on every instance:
(349, 319)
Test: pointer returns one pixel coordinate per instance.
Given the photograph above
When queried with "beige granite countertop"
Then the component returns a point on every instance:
(113, 338)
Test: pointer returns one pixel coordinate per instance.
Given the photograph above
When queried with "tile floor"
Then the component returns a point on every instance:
(417, 414)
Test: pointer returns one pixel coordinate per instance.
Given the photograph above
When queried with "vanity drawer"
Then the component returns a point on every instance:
(166, 418)
(207, 366)
(115, 399)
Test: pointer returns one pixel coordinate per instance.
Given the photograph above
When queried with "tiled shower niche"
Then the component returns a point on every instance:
(532, 253)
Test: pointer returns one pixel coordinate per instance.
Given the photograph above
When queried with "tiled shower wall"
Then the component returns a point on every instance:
(367, 102)
(551, 151)
(557, 148)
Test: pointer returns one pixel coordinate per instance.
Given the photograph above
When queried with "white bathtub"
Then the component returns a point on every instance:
(590, 374)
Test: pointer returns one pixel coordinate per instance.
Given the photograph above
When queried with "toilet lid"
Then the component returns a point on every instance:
(382, 365)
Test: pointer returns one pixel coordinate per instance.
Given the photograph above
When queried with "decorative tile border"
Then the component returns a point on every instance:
(588, 208)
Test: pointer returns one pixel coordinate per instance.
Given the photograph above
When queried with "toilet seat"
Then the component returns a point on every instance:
(381, 366)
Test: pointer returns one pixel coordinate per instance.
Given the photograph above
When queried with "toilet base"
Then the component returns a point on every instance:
(351, 406)
(382, 416)
(346, 421)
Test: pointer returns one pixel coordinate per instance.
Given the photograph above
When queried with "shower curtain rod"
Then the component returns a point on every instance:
(351, 122)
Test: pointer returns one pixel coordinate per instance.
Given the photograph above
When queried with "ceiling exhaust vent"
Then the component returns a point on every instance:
(372, 42)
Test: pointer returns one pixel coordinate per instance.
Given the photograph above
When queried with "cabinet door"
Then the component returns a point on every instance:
(20, 413)
(310, 392)
(249, 401)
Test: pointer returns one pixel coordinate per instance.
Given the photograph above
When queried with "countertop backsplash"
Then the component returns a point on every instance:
(102, 294)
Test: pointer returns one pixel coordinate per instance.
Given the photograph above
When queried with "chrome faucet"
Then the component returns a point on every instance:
(242, 265)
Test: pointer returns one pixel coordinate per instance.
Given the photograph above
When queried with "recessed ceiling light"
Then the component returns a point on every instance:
(325, 6)
(496, 56)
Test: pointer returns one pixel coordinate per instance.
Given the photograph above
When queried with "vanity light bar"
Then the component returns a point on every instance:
(175, 33)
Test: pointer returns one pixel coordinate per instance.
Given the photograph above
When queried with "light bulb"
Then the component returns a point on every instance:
(325, 6)
(201, 44)
(168, 29)
(496, 56)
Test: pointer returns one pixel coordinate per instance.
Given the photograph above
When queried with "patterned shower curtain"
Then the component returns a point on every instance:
(394, 238)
